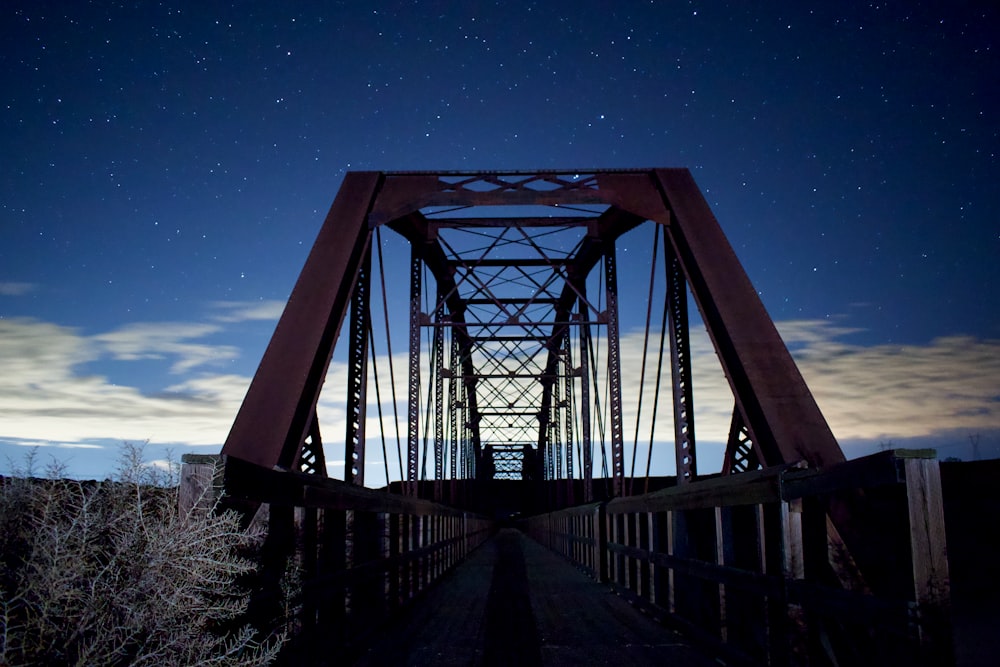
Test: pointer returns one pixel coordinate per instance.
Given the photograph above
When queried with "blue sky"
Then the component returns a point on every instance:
(167, 166)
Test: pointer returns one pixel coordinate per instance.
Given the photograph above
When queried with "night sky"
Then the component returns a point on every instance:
(165, 167)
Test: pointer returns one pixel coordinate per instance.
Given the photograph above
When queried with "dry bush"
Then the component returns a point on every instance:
(108, 573)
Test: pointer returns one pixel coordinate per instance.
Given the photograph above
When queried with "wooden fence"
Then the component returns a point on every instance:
(783, 566)
(338, 559)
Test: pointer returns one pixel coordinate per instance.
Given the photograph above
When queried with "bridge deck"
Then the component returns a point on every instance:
(513, 602)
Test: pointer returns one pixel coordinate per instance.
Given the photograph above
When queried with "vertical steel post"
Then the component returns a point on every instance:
(568, 399)
(680, 366)
(551, 451)
(455, 377)
(357, 375)
(413, 406)
(614, 371)
(453, 410)
(588, 458)
(557, 430)
(545, 428)
(438, 339)
(463, 420)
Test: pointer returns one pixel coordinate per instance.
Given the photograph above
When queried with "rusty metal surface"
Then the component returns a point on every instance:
(514, 366)
(357, 374)
(511, 363)
(680, 367)
(614, 370)
(274, 418)
(413, 386)
(784, 421)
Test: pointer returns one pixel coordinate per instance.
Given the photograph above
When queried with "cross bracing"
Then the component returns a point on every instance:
(513, 331)
(516, 384)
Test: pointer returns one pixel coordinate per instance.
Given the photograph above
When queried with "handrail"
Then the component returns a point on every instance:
(752, 566)
(338, 559)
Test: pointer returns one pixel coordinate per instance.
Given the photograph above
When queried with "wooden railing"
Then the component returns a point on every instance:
(338, 559)
(783, 566)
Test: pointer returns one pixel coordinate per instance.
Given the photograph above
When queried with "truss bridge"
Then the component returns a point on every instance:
(482, 395)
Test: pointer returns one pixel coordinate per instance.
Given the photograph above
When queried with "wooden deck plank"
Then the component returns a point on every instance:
(515, 602)
(581, 622)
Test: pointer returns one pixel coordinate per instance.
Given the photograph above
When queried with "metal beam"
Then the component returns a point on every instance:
(680, 367)
(784, 421)
(777, 412)
(614, 371)
(536, 221)
(485, 262)
(567, 381)
(276, 413)
(438, 341)
(357, 375)
(311, 458)
(413, 395)
(511, 301)
(453, 408)
(586, 444)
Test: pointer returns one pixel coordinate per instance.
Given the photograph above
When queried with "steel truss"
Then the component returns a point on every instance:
(518, 391)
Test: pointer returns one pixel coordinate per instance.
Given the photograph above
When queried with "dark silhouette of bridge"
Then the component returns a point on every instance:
(500, 544)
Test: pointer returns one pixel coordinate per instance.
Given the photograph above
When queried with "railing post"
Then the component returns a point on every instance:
(368, 594)
(331, 564)
(653, 545)
(929, 550)
(793, 564)
(611, 532)
(722, 531)
(278, 548)
(671, 549)
(601, 544)
(396, 562)
(628, 581)
(410, 544)
(200, 483)
(307, 518)
(465, 535)
(425, 557)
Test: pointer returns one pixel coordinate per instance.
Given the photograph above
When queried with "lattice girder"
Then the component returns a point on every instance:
(479, 287)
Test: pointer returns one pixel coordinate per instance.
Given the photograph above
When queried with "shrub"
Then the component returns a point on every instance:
(108, 573)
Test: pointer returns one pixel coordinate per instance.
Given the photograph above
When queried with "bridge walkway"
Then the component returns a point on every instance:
(514, 602)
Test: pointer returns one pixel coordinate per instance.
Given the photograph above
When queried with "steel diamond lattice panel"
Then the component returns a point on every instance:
(515, 276)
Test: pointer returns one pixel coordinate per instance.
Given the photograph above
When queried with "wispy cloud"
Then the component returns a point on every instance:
(901, 391)
(166, 340)
(46, 399)
(797, 333)
(18, 442)
(244, 311)
(34, 353)
(16, 289)
(867, 393)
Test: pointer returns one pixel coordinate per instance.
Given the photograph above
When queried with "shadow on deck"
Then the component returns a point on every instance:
(514, 602)
(746, 566)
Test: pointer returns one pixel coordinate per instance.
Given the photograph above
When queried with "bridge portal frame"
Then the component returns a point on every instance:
(776, 419)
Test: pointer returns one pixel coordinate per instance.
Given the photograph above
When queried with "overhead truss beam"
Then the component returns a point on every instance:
(480, 290)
